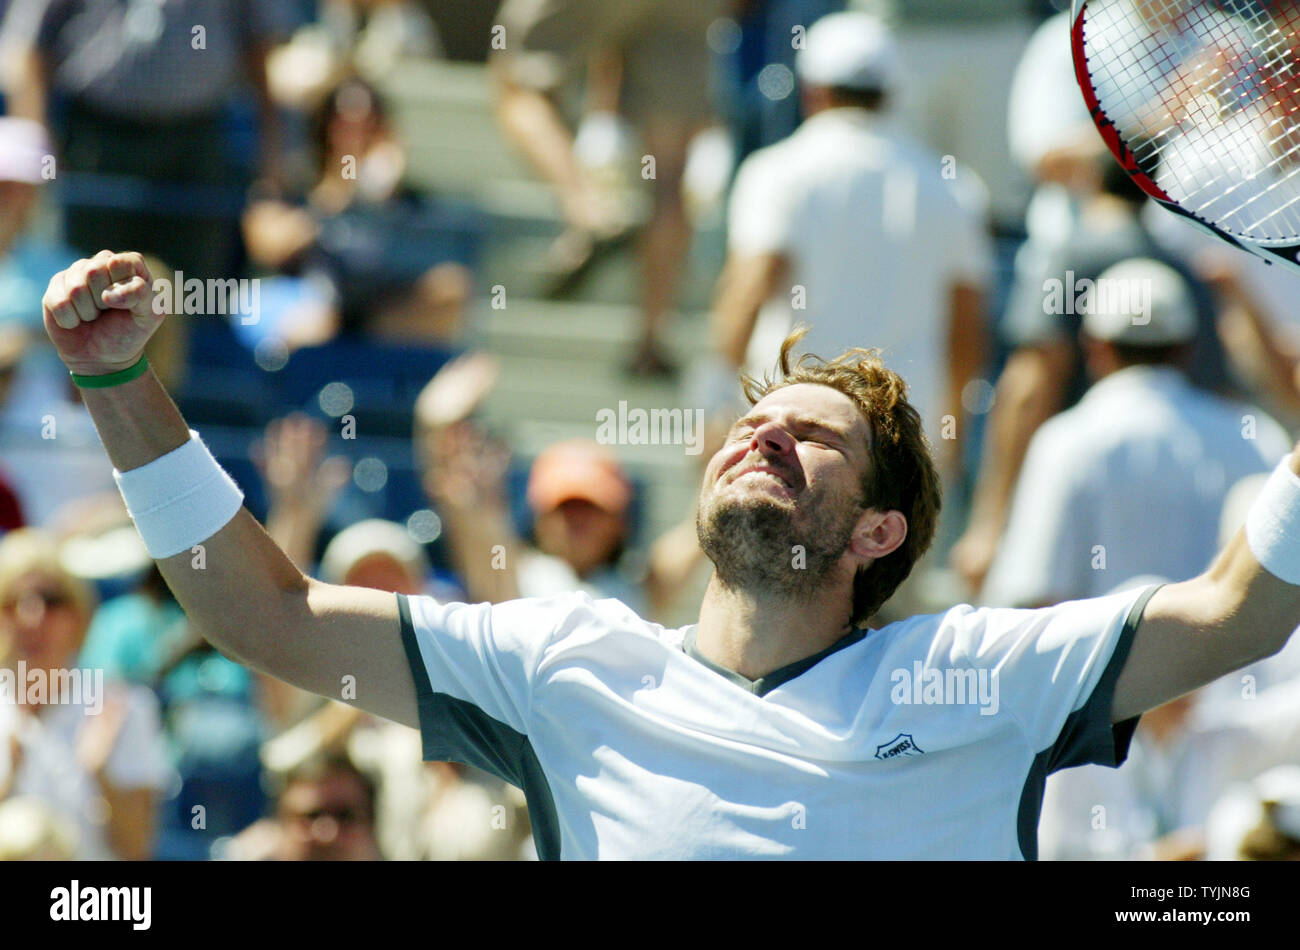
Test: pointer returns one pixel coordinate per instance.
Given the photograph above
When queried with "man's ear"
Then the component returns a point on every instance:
(878, 533)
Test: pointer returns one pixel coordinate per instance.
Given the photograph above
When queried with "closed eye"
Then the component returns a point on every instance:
(826, 440)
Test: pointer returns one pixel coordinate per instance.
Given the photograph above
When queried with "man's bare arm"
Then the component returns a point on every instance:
(746, 284)
(1198, 630)
(26, 84)
(966, 357)
(1029, 391)
(248, 599)
(244, 595)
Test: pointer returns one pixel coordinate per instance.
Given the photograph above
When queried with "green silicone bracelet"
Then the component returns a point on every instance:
(112, 379)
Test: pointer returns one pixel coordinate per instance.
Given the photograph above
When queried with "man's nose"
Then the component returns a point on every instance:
(770, 438)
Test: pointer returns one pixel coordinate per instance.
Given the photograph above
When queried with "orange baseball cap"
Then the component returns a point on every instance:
(582, 469)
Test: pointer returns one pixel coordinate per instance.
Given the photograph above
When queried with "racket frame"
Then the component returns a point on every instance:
(1288, 254)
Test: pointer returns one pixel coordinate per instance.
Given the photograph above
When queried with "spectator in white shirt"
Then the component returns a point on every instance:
(859, 232)
(91, 753)
(1132, 479)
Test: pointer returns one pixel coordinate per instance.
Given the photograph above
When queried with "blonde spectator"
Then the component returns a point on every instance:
(91, 752)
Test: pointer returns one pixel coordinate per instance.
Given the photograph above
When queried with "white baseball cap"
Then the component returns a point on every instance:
(372, 536)
(1141, 302)
(23, 149)
(853, 50)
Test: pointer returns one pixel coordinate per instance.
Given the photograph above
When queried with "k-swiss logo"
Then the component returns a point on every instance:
(901, 744)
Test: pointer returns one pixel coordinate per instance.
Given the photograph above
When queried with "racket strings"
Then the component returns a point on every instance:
(1269, 54)
(1237, 182)
(1206, 96)
(1282, 123)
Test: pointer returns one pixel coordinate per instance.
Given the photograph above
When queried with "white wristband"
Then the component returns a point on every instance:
(1273, 524)
(179, 499)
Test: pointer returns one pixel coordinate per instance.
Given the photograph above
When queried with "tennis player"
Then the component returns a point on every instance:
(779, 725)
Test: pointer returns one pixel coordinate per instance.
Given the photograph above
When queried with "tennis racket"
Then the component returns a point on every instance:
(1199, 100)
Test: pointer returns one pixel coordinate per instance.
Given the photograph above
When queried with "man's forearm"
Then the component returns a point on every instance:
(1028, 393)
(477, 538)
(966, 356)
(25, 83)
(137, 421)
(1259, 610)
(745, 285)
(232, 592)
(733, 325)
(1192, 633)
(240, 591)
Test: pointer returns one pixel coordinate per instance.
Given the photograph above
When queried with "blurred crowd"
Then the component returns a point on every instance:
(1103, 385)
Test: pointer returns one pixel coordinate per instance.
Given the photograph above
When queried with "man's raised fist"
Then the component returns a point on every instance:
(99, 312)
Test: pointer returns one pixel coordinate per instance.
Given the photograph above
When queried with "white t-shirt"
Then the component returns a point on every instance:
(629, 744)
(1130, 481)
(50, 773)
(876, 236)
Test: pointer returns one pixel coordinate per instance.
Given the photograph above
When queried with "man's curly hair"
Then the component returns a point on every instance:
(901, 475)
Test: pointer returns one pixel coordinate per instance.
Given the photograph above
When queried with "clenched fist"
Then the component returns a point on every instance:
(99, 312)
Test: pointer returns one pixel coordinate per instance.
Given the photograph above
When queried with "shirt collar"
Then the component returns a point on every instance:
(1139, 377)
(765, 684)
(841, 116)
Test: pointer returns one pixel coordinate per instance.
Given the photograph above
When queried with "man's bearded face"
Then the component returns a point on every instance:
(782, 498)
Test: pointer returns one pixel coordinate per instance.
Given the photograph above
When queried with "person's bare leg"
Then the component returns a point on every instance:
(604, 80)
(666, 238)
(534, 125)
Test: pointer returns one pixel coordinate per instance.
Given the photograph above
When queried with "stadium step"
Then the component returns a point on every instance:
(561, 360)
(444, 111)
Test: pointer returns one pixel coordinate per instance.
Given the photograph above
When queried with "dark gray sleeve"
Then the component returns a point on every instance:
(454, 730)
(1087, 738)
